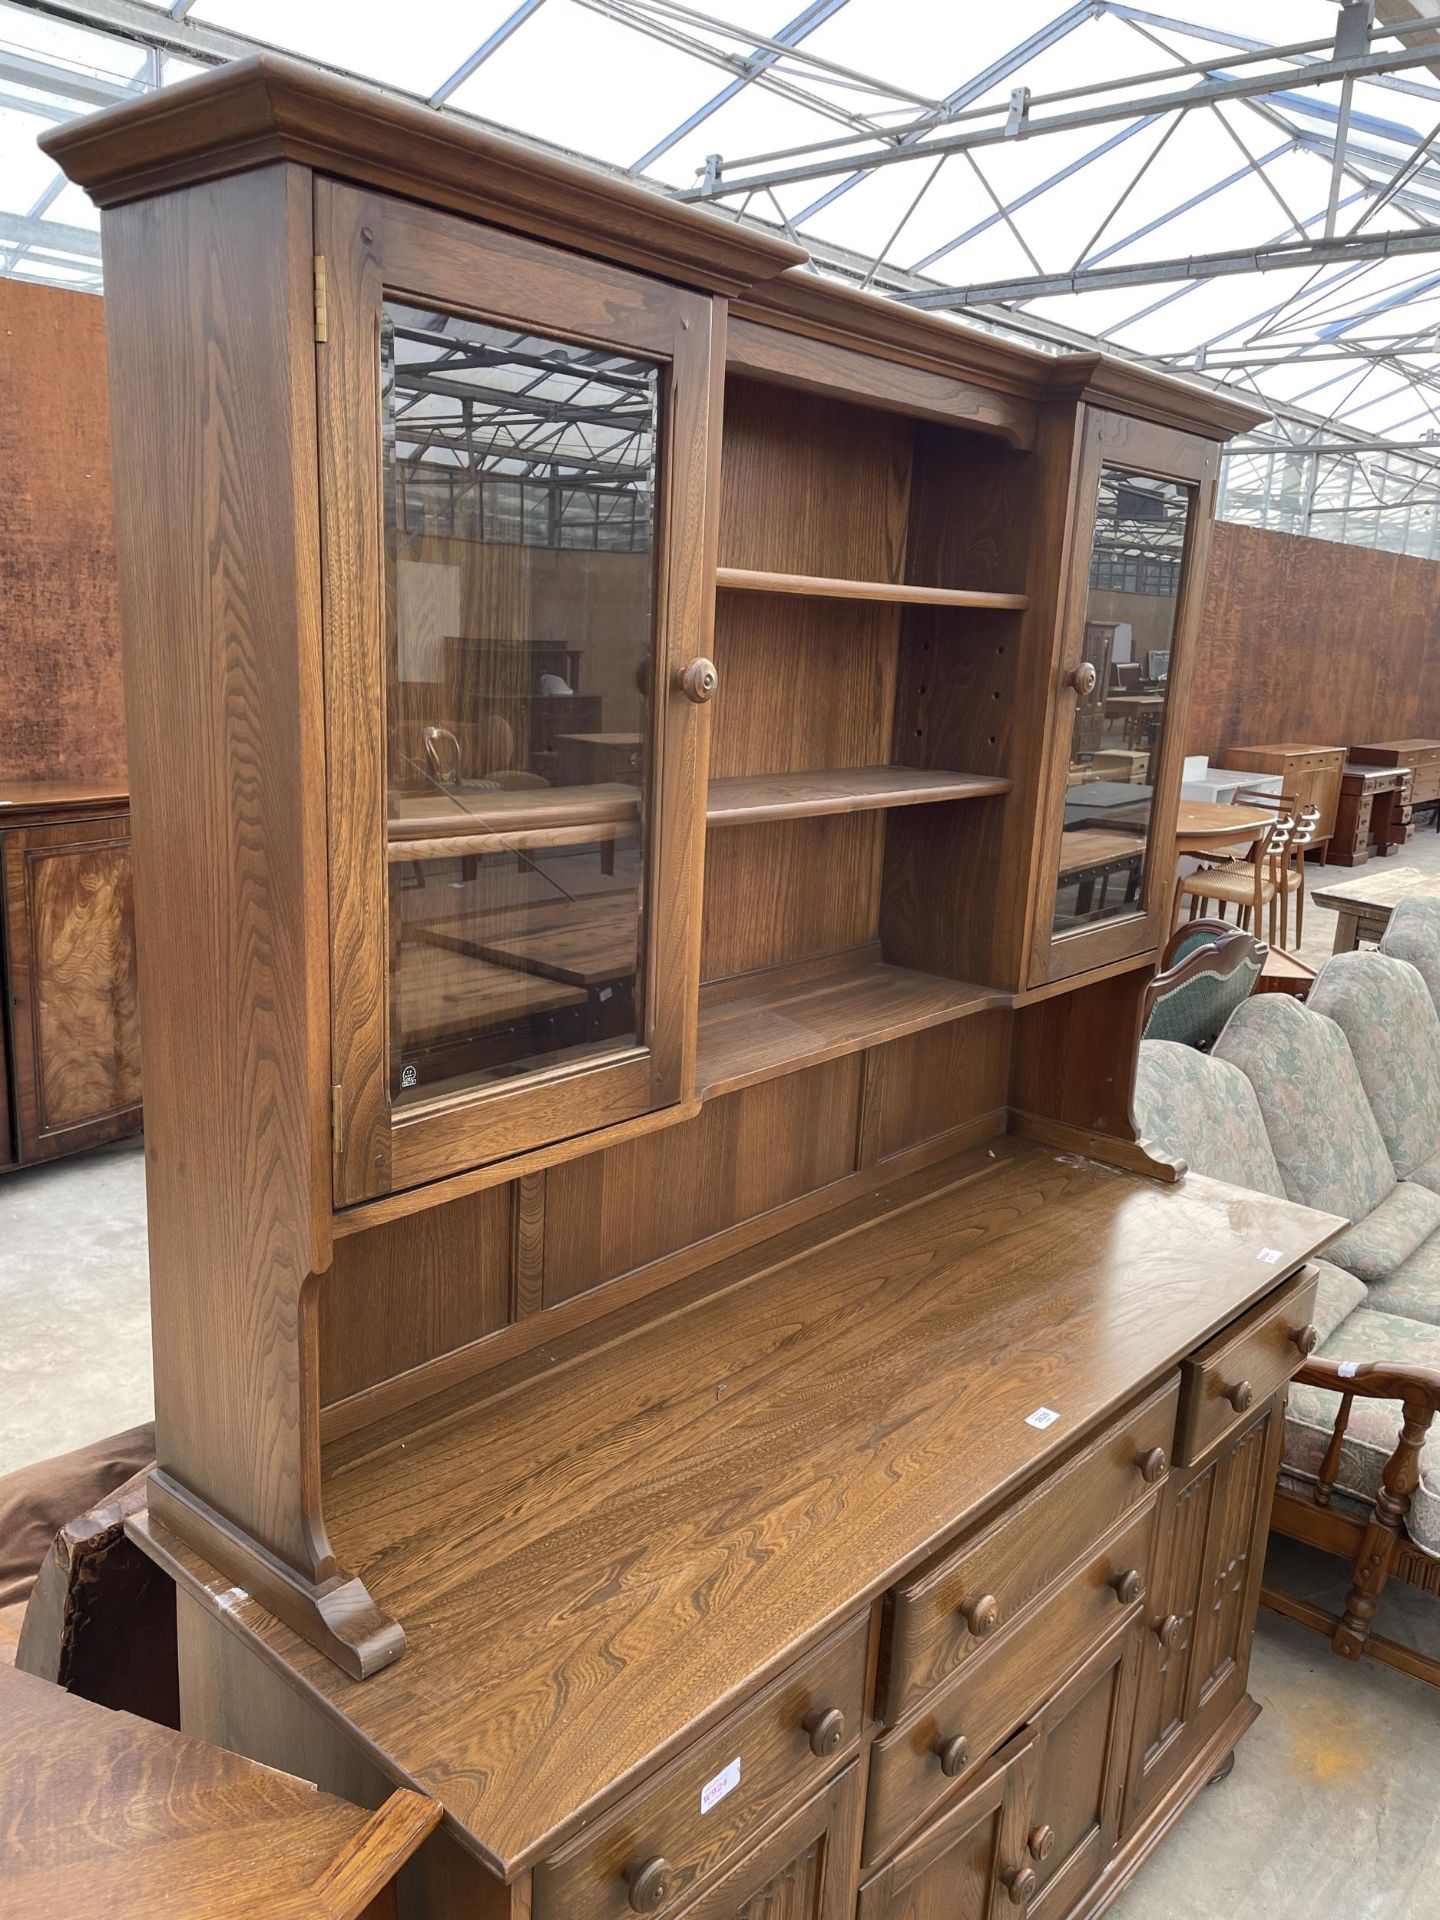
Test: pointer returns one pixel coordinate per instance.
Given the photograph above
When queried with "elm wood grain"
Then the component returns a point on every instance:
(266, 108)
(770, 894)
(510, 816)
(149, 1822)
(69, 943)
(778, 1026)
(1004, 1683)
(438, 260)
(671, 1819)
(1287, 643)
(930, 1083)
(821, 367)
(743, 1156)
(211, 350)
(1022, 1553)
(817, 586)
(853, 1432)
(793, 796)
(1245, 1365)
(401, 1294)
(61, 713)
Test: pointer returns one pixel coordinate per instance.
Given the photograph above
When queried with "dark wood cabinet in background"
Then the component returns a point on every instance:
(72, 1037)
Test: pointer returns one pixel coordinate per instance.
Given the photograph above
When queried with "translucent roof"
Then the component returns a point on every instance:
(1260, 211)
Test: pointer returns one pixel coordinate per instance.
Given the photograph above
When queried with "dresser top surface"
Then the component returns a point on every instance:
(595, 1563)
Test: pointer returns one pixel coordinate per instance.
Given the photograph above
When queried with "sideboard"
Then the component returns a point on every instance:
(666, 1336)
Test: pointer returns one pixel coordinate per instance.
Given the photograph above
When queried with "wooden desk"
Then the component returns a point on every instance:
(1421, 756)
(1374, 814)
(106, 1814)
(1091, 854)
(1365, 905)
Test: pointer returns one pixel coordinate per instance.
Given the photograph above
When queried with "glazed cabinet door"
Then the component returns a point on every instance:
(1195, 1652)
(971, 1862)
(70, 964)
(1105, 879)
(805, 1871)
(517, 521)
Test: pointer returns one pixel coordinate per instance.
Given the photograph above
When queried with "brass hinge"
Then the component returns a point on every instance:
(337, 1122)
(322, 330)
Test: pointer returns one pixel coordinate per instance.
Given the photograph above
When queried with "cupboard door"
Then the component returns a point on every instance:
(971, 1862)
(1195, 1655)
(517, 521)
(806, 1870)
(70, 958)
(1106, 875)
(1082, 1756)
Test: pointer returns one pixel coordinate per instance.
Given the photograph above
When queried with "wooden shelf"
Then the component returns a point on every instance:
(822, 587)
(475, 818)
(794, 796)
(778, 1028)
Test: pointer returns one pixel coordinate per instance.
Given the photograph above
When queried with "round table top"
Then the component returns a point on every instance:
(1206, 822)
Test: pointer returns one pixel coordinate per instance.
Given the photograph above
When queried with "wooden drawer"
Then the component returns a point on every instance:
(990, 1578)
(711, 1802)
(1242, 1366)
(995, 1691)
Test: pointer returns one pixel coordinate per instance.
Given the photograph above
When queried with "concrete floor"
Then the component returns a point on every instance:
(1332, 1812)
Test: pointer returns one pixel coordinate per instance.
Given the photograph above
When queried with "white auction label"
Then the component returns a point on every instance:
(1270, 1255)
(1042, 1417)
(726, 1781)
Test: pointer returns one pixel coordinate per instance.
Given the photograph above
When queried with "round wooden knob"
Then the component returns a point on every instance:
(1170, 1632)
(699, 680)
(650, 1885)
(1306, 1339)
(1020, 1884)
(1152, 1465)
(981, 1615)
(953, 1754)
(826, 1728)
(1130, 1586)
(1082, 678)
(1041, 1840)
(1240, 1395)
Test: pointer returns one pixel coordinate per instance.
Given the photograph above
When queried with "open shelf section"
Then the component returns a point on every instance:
(781, 1027)
(793, 796)
(821, 586)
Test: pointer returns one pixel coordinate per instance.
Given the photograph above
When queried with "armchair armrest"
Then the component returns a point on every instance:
(1376, 1380)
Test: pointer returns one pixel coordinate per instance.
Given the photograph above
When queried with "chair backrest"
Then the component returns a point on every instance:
(1384, 1009)
(1414, 935)
(1330, 1151)
(1191, 1000)
(1204, 1112)
(1191, 935)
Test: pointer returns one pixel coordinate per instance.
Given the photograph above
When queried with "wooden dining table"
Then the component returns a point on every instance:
(1204, 826)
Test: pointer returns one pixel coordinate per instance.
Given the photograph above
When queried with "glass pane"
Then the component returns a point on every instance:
(1135, 567)
(520, 478)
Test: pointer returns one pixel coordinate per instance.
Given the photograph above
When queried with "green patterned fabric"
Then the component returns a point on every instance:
(1389, 1236)
(1414, 935)
(1337, 1296)
(1205, 1111)
(1428, 1175)
(1194, 1011)
(1374, 1425)
(1330, 1152)
(1384, 1009)
(1413, 1288)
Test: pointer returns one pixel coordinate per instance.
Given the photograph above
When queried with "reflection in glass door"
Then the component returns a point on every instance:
(519, 489)
(1121, 684)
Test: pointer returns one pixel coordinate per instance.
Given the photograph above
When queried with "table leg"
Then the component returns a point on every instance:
(1347, 931)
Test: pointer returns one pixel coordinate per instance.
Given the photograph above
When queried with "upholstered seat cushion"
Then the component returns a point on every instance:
(1205, 1111)
(1414, 935)
(1413, 1289)
(1384, 1009)
(1329, 1150)
(1391, 1236)
(1427, 1175)
(1337, 1295)
(1374, 1425)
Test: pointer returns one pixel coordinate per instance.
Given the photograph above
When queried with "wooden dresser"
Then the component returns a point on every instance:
(1311, 775)
(666, 1336)
(1422, 757)
(70, 1072)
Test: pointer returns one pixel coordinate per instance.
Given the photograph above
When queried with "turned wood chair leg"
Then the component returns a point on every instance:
(1382, 1535)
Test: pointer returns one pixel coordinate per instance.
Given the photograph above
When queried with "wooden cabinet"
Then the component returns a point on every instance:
(806, 1870)
(72, 1041)
(1311, 775)
(1422, 757)
(963, 1865)
(1082, 1753)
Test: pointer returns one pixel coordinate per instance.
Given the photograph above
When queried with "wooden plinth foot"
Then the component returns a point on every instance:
(1224, 1770)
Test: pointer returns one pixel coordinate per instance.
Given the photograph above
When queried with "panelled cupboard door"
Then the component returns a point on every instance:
(517, 530)
(1129, 610)
(969, 1863)
(1195, 1651)
(806, 1870)
(70, 955)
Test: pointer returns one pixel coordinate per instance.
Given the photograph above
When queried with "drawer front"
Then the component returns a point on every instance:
(994, 1692)
(710, 1803)
(944, 1615)
(1242, 1367)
